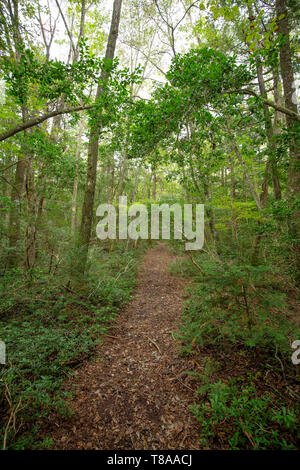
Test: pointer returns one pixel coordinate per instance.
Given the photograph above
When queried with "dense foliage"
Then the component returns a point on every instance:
(188, 102)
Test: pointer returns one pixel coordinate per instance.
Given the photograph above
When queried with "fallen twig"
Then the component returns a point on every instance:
(196, 264)
(246, 432)
(12, 416)
(157, 347)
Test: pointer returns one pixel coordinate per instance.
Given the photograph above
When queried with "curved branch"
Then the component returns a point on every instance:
(39, 119)
(282, 109)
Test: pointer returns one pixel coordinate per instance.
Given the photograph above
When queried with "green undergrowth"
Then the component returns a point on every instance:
(50, 326)
(240, 316)
(249, 419)
(236, 303)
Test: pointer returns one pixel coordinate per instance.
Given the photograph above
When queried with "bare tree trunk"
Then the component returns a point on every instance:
(14, 226)
(123, 174)
(136, 183)
(149, 186)
(145, 186)
(154, 186)
(223, 177)
(75, 185)
(88, 204)
(81, 29)
(30, 242)
(112, 183)
(15, 214)
(7, 192)
(233, 197)
(40, 212)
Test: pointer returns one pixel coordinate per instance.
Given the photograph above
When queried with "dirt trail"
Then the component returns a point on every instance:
(135, 396)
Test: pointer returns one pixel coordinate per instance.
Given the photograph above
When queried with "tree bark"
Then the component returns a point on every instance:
(32, 207)
(88, 204)
(271, 169)
(14, 226)
(233, 197)
(75, 184)
(136, 182)
(154, 186)
(287, 75)
(149, 186)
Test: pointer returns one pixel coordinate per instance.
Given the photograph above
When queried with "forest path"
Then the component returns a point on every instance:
(135, 395)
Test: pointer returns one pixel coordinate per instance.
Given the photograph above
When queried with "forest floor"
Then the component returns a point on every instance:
(136, 394)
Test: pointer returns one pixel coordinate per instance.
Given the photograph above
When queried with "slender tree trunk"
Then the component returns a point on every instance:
(15, 214)
(233, 197)
(81, 29)
(223, 177)
(149, 186)
(75, 184)
(154, 186)
(111, 189)
(14, 226)
(30, 242)
(123, 173)
(32, 198)
(145, 186)
(136, 182)
(88, 204)
(39, 218)
(7, 192)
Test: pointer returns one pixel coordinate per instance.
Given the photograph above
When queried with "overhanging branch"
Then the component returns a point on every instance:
(278, 107)
(39, 119)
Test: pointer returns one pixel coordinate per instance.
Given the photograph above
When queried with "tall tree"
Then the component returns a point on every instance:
(11, 22)
(288, 80)
(89, 195)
